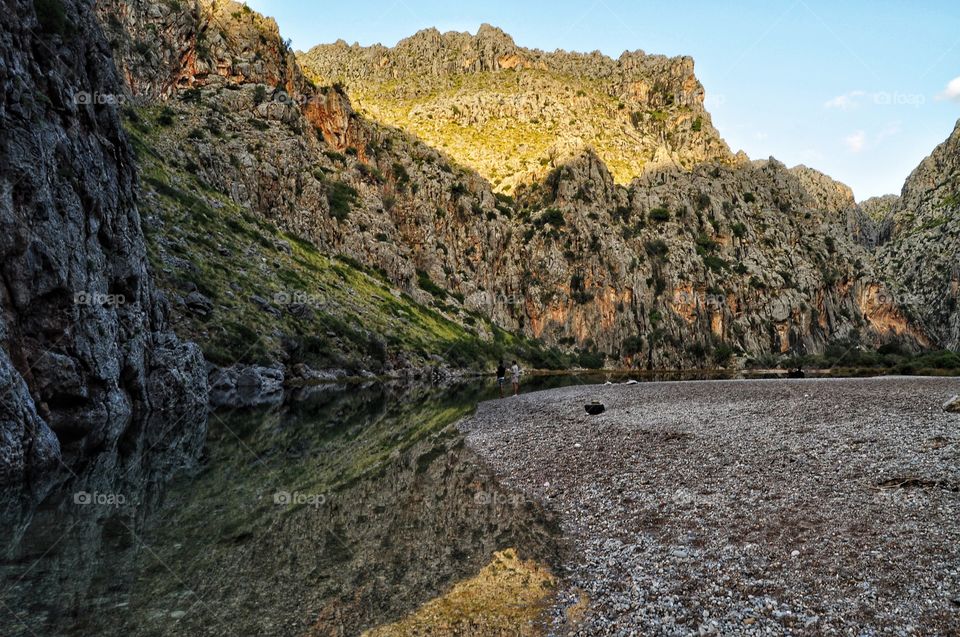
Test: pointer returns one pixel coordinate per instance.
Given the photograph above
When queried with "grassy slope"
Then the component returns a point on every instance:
(353, 318)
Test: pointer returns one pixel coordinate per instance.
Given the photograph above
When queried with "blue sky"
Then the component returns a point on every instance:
(860, 90)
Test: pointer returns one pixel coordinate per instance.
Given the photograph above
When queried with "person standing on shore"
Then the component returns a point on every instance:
(501, 376)
(515, 372)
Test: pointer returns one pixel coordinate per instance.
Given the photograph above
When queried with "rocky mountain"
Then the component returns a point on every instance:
(922, 242)
(286, 229)
(513, 113)
(696, 259)
(92, 383)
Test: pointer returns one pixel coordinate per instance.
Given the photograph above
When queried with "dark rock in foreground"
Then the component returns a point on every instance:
(91, 383)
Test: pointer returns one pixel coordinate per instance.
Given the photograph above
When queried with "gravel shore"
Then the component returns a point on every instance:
(743, 507)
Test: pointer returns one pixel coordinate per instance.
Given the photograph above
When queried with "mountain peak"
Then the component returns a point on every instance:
(510, 112)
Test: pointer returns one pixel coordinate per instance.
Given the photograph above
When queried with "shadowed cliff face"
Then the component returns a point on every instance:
(89, 382)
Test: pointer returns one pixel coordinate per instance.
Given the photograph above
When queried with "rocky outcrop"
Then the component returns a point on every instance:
(246, 386)
(513, 113)
(920, 254)
(92, 383)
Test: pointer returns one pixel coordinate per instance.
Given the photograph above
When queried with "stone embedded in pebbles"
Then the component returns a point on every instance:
(952, 405)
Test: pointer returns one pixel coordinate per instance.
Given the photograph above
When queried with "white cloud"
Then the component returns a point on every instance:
(891, 129)
(952, 92)
(845, 102)
(760, 136)
(855, 141)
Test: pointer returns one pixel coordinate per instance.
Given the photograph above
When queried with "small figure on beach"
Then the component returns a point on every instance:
(501, 376)
(515, 373)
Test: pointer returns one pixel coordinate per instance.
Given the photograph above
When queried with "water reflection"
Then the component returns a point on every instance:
(342, 509)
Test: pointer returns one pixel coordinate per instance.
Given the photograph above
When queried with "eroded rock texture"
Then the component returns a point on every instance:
(91, 384)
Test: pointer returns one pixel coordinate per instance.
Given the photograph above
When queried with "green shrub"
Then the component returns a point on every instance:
(551, 216)
(632, 345)
(590, 360)
(341, 198)
(191, 95)
(659, 215)
(427, 285)
(335, 156)
(722, 354)
(715, 263)
(706, 244)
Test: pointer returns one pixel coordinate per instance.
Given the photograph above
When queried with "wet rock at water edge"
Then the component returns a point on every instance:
(246, 386)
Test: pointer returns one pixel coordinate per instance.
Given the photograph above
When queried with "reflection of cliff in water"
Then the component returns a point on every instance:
(329, 515)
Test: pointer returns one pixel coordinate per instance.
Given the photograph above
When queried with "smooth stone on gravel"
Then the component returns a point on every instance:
(952, 405)
(827, 506)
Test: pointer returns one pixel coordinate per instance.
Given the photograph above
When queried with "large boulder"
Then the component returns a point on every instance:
(245, 386)
(952, 405)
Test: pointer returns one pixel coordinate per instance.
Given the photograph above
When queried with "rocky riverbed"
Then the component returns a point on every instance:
(743, 507)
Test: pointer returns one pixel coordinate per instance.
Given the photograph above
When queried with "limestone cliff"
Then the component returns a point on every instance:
(921, 253)
(688, 263)
(90, 382)
(513, 113)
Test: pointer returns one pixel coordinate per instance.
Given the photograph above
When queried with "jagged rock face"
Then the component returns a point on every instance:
(729, 255)
(164, 46)
(922, 249)
(513, 113)
(681, 262)
(873, 220)
(84, 364)
(831, 195)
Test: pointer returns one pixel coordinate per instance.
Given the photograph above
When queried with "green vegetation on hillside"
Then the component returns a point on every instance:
(249, 292)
